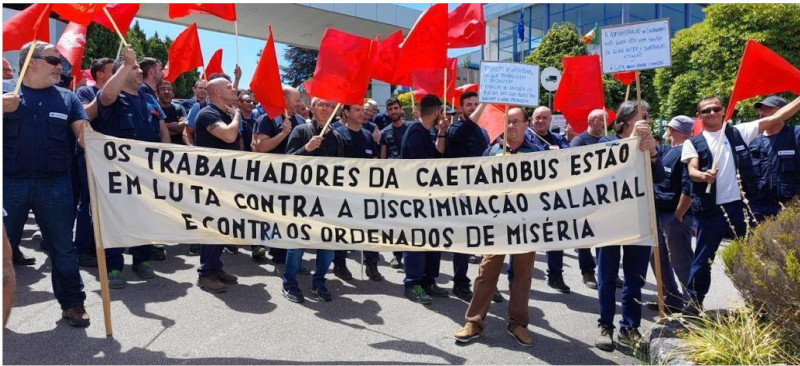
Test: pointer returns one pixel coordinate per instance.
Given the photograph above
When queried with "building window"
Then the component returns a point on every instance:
(696, 14)
(676, 15)
(642, 12)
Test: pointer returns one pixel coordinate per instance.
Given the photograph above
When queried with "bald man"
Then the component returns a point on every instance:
(8, 72)
(542, 117)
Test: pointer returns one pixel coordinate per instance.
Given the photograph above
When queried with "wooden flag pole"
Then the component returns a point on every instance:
(444, 90)
(236, 30)
(505, 133)
(542, 139)
(638, 91)
(628, 92)
(413, 104)
(119, 51)
(25, 67)
(105, 293)
(330, 119)
(110, 18)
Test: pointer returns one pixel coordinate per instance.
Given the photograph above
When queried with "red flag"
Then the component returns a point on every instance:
(214, 65)
(467, 28)
(387, 56)
(224, 11)
(184, 54)
(306, 86)
(463, 89)
(71, 45)
(87, 74)
(580, 90)
(492, 120)
(431, 81)
(33, 22)
(626, 77)
(344, 66)
(266, 81)
(425, 46)
(123, 15)
(762, 72)
(698, 126)
(81, 13)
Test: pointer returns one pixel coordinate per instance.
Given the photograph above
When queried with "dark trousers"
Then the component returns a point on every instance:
(339, 257)
(711, 228)
(210, 260)
(115, 261)
(51, 202)
(634, 266)
(422, 268)
(84, 231)
(675, 250)
(555, 262)
(460, 266)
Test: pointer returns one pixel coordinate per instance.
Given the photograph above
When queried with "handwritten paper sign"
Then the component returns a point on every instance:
(635, 46)
(509, 83)
(558, 124)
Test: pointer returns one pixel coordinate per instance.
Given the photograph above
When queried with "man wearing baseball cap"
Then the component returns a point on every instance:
(776, 154)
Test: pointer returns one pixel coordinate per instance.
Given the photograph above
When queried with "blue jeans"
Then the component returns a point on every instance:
(460, 266)
(293, 259)
(555, 262)
(634, 266)
(711, 228)
(422, 268)
(675, 250)
(210, 260)
(84, 234)
(339, 257)
(51, 202)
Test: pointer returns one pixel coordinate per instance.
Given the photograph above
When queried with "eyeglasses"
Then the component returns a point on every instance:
(52, 60)
(247, 101)
(326, 105)
(710, 110)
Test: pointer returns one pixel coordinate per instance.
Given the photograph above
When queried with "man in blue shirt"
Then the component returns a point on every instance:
(40, 127)
(125, 110)
(199, 94)
(175, 115)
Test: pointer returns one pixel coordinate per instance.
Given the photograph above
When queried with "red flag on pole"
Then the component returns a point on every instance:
(431, 81)
(81, 13)
(387, 56)
(467, 28)
(344, 66)
(214, 65)
(71, 45)
(425, 47)
(463, 89)
(626, 77)
(266, 81)
(306, 86)
(123, 15)
(492, 120)
(25, 26)
(580, 90)
(224, 11)
(762, 72)
(184, 54)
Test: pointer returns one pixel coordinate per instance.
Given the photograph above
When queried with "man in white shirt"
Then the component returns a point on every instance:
(728, 147)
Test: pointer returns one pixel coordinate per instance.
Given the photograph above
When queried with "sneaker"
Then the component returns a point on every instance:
(293, 294)
(194, 249)
(434, 290)
(233, 249)
(463, 293)
(87, 260)
(259, 252)
(303, 270)
(342, 272)
(78, 317)
(226, 277)
(115, 279)
(605, 341)
(618, 282)
(418, 295)
(158, 253)
(144, 270)
(396, 263)
(474, 259)
(630, 336)
(322, 294)
(467, 334)
(521, 335)
(497, 296)
(20, 259)
(211, 284)
(559, 285)
(372, 272)
(589, 280)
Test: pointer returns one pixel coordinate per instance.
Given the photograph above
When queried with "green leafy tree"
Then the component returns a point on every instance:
(562, 40)
(706, 56)
(302, 63)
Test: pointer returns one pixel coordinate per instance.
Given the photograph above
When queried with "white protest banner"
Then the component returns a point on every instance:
(635, 46)
(509, 83)
(162, 193)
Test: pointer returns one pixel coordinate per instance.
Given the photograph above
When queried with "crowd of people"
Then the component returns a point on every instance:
(752, 169)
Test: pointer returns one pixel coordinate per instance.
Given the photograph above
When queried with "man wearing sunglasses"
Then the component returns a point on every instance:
(249, 115)
(40, 126)
(776, 154)
(125, 110)
(728, 147)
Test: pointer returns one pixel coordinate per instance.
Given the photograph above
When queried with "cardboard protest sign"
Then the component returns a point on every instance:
(509, 83)
(635, 46)
(162, 193)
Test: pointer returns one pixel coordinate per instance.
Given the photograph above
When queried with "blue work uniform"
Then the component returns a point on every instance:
(776, 159)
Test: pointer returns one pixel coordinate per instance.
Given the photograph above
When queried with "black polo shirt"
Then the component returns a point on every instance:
(208, 116)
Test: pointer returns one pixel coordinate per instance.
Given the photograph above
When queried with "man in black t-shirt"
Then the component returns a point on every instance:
(174, 112)
(216, 128)
(391, 137)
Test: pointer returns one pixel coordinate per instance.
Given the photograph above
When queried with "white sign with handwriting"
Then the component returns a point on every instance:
(509, 83)
(637, 46)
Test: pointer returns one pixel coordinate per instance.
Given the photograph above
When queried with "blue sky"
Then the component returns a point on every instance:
(248, 47)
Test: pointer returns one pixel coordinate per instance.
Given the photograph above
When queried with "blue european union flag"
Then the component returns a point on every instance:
(521, 25)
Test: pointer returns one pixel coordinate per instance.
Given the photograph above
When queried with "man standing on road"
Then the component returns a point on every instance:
(391, 137)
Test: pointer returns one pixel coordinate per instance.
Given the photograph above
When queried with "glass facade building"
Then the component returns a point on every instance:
(504, 44)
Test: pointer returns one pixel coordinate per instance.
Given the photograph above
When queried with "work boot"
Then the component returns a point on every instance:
(87, 260)
(20, 259)
(396, 263)
(78, 317)
(497, 296)
(158, 253)
(520, 334)
(194, 249)
(589, 280)
(342, 272)
(434, 290)
(417, 295)
(467, 334)
(558, 284)
(463, 293)
(605, 341)
(630, 337)
(372, 272)
(211, 284)
(226, 277)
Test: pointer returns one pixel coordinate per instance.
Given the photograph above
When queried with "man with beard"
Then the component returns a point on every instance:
(391, 137)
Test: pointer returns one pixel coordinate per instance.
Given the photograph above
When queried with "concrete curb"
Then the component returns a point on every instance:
(665, 346)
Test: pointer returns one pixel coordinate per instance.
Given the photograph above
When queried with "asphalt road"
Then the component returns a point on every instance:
(169, 320)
